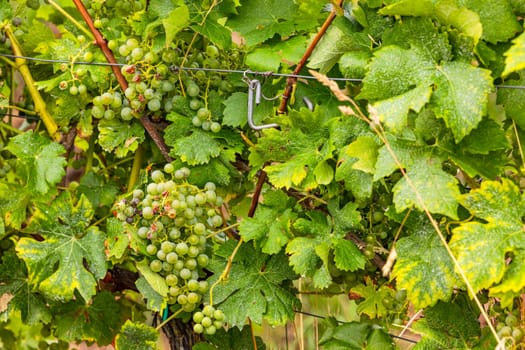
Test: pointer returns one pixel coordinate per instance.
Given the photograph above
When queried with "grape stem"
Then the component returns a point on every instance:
(166, 321)
(101, 42)
(135, 168)
(40, 105)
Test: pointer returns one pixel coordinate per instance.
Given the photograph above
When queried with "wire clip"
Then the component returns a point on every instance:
(254, 95)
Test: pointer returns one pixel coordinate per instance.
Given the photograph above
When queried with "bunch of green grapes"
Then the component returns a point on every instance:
(174, 219)
(509, 327)
(208, 320)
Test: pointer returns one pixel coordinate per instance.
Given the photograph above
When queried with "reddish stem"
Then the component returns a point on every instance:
(101, 42)
(291, 80)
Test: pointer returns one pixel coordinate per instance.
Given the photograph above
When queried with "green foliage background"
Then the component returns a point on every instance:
(415, 152)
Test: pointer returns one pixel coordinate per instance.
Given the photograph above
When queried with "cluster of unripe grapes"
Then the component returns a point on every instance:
(173, 220)
(509, 328)
(155, 84)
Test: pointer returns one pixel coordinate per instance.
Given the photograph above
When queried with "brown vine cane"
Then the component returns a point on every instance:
(148, 125)
(290, 82)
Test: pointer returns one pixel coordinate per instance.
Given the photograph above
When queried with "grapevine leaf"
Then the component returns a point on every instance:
(177, 20)
(71, 256)
(405, 152)
(436, 339)
(198, 148)
(353, 64)
(270, 226)
(14, 282)
(345, 219)
(425, 280)
(356, 181)
(42, 159)
(214, 30)
(393, 71)
(297, 151)
(135, 335)
(457, 319)
(448, 12)
(117, 240)
(437, 191)
(461, 96)
(393, 112)
(13, 204)
(347, 256)
(273, 17)
(119, 136)
(154, 301)
(156, 281)
(97, 321)
(364, 148)
(270, 58)
(99, 193)
(482, 247)
(372, 305)
(337, 41)
(351, 335)
(422, 33)
(498, 21)
(488, 136)
(515, 56)
(257, 281)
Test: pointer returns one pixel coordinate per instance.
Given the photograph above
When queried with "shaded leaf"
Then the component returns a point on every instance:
(257, 281)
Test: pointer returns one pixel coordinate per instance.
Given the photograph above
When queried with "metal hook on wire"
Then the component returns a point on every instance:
(254, 95)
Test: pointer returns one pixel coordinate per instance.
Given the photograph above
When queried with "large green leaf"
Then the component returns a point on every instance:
(41, 158)
(258, 282)
(71, 256)
(482, 246)
(461, 96)
(273, 17)
(197, 148)
(427, 277)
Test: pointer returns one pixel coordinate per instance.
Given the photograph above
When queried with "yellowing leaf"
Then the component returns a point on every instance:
(365, 149)
(515, 56)
(71, 256)
(427, 277)
(483, 246)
